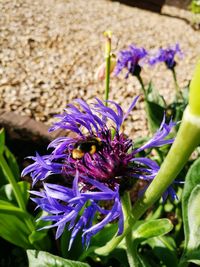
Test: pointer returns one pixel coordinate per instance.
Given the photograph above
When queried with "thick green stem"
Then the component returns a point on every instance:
(187, 139)
(12, 181)
(108, 57)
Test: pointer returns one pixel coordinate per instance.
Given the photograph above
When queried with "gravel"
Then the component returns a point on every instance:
(50, 50)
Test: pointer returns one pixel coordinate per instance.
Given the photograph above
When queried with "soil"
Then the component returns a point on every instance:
(51, 49)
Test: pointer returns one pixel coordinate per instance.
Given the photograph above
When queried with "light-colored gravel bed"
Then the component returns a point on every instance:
(50, 50)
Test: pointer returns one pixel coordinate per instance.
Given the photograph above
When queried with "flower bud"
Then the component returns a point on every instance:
(101, 71)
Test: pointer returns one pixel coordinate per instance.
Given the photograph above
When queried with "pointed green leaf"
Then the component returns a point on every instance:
(194, 220)
(40, 238)
(155, 115)
(2, 141)
(192, 180)
(6, 192)
(152, 228)
(153, 96)
(45, 259)
(148, 230)
(14, 230)
(155, 107)
(3, 179)
(164, 248)
(12, 163)
(8, 208)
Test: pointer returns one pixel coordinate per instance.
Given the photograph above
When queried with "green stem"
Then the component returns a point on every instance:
(107, 78)
(178, 91)
(131, 251)
(128, 220)
(12, 181)
(142, 84)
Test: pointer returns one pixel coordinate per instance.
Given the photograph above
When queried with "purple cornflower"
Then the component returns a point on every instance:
(167, 56)
(130, 60)
(97, 166)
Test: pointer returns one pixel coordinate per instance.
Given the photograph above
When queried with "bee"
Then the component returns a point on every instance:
(91, 145)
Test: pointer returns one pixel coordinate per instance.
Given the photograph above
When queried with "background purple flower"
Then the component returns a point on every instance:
(97, 176)
(130, 59)
(167, 56)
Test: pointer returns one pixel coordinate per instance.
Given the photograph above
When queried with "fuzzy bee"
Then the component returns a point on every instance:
(91, 145)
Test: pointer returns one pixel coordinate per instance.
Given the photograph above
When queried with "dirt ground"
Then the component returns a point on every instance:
(50, 50)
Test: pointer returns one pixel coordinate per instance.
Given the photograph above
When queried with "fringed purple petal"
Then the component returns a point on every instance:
(158, 138)
(131, 107)
(42, 168)
(130, 59)
(166, 55)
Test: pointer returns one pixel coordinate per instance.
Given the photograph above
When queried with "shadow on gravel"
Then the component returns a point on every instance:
(151, 5)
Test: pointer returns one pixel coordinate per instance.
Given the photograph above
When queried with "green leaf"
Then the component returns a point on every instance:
(40, 238)
(98, 240)
(194, 219)
(24, 188)
(192, 180)
(153, 96)
(155, 115)
(8, 208)
(191, 218)
(164, 248)
(104, 235)
(14, 230)
(151, 229)
(118, 256)
(12, 163)
(147, 230)
(155, 107)
(6, 192)
(45, 259)
(2, 141)
(192, 256)
(3, 179)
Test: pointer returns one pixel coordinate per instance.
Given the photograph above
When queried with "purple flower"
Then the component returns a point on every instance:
(130, 60)
(97, 166)
(167, 56)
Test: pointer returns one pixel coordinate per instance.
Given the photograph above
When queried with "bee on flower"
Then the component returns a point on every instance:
(95, 165)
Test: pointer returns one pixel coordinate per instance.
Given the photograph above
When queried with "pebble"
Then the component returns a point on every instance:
(51, 49)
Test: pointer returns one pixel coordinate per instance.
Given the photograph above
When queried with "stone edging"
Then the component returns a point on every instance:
(22, 127)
